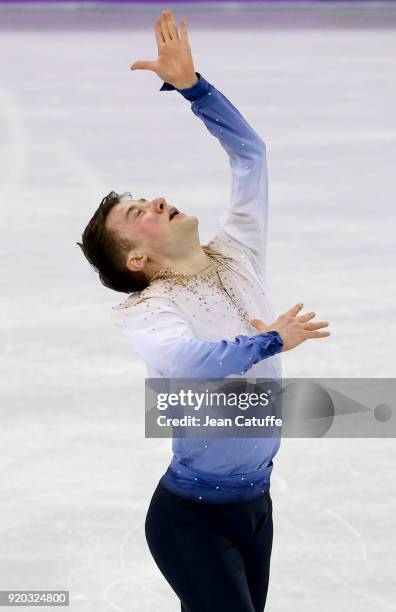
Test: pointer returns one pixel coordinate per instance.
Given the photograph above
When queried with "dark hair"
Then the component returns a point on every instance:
(106, 251)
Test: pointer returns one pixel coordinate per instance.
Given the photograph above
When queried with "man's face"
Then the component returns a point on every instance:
(156, 229)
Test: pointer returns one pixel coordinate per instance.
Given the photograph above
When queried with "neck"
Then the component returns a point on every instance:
(192, 261)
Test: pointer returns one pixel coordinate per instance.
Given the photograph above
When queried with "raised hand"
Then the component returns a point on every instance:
(293, 329)
(175, 63)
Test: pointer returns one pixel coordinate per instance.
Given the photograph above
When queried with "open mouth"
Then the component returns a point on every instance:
(173, 213)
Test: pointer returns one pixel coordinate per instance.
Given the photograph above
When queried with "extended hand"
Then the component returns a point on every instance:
(175, 63)
(293, 329)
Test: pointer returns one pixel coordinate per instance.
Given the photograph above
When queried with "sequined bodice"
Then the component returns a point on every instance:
(210, 289)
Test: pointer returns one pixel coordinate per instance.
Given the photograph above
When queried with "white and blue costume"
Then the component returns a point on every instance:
(187, 326)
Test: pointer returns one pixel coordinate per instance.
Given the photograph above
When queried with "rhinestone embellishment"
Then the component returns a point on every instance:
(199, 284)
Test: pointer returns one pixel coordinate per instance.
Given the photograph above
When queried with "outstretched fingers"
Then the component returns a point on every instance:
(306, 317)
(168, 26)
(295, 310)
(164, 26)
(314, 326)
(158, 33)
(172, 27)
(315, 334)
(183, 31)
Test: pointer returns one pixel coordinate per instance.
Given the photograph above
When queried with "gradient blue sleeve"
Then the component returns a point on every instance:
(245, 220)
(164, 339)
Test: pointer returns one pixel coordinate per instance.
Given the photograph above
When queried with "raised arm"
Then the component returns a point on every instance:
(245, 220)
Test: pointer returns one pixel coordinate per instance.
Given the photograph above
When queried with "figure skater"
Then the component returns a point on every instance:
(202, 311)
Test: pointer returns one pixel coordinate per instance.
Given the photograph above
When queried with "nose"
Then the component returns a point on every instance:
(159, 204)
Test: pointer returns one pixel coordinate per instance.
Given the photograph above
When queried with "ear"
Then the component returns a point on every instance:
(136, 262)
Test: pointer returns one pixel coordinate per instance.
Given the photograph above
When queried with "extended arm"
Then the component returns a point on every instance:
(245, 220)
(165, 340)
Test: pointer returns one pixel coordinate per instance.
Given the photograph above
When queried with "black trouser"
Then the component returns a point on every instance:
(216, 557)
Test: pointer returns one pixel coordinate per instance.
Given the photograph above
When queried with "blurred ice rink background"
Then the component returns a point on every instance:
(318, 82)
